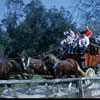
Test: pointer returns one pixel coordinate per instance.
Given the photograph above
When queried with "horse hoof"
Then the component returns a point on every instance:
(58, 94)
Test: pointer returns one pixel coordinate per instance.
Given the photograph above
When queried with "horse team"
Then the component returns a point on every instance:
(47, 65)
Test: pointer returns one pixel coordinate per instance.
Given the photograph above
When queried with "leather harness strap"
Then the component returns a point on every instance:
(56, 65)
(4, 67)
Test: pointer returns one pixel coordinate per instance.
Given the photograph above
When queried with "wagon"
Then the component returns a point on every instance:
(90, 61)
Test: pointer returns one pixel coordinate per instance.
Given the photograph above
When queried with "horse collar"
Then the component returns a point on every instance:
(44, 66)
(56, 65)
(28, 63)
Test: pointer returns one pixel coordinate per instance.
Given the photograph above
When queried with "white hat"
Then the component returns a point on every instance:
(66, 33)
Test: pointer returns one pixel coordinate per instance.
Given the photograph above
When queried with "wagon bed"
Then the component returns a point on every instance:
(91, 59)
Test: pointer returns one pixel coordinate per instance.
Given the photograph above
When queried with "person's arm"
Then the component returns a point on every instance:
(63, 41)
(80, 43)
(88, 32)
(87, 39)
(72, 33)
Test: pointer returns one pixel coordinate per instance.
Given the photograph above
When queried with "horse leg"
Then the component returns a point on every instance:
(59, 74)
(58, 89)
(1, 89)
(29, 89)
(53, 90)
(53, 74)
(46, 85)
(23, 77)
(0, 76)
(69, 86)
(8, 78)
(76, 73)
(14, 92)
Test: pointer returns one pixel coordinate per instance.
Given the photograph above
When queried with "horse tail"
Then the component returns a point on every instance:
(80, 70)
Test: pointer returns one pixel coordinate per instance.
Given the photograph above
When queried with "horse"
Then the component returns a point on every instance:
(58, 68)
(7, 67)
(32, 66)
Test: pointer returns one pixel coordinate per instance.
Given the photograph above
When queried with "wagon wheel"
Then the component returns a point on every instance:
(90, 72)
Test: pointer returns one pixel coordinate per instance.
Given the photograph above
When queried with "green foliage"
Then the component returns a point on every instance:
(40, 30)
(4, 46)
(89, 11)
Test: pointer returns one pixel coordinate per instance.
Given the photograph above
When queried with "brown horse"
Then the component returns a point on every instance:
(7, 67)
(59, 68)
(31, 65)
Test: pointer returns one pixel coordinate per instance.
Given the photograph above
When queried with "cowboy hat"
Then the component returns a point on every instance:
(66, 33)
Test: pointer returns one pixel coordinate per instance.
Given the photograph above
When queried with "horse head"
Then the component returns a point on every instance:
(49, 60)
(24, 58)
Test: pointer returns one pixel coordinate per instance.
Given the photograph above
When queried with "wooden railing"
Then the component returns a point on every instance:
(80, 81)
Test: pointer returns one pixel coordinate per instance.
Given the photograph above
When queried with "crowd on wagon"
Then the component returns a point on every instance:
(77, 41)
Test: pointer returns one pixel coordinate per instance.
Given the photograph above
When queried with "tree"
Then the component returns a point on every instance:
(41, 30)
(12, 18)
(88, 11)
(12, 15)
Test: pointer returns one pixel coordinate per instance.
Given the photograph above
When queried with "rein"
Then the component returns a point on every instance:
(51, 50)
(62, 54)
(13, 58)
(37, 69)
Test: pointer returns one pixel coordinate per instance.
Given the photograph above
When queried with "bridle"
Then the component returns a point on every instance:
(26, 65)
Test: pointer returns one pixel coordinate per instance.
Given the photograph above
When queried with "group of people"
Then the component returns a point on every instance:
(77, 41)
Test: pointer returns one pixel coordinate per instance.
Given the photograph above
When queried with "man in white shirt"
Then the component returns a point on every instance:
(68, 42)
(83, 42)
(72, 34)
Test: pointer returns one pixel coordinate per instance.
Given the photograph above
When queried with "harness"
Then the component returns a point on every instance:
(4, 68)
(44, 66)
(56, 65)
(28, 63)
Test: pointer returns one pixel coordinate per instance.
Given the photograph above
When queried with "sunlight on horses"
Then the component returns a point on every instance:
(59, 68)
(7, 67)
(31, 65)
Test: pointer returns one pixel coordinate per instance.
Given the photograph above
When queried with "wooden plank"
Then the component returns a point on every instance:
(47, 81)
(35, 81)
(35, 75)
(81, 91)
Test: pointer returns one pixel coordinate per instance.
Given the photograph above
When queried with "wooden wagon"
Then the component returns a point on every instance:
(91, 59)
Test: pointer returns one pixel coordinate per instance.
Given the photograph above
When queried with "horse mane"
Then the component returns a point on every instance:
(52, 58)
(24, 53)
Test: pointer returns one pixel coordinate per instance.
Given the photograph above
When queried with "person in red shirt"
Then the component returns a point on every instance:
(88, 32)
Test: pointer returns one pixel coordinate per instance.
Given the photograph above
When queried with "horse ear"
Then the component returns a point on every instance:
(23, 51)
(43, 55)
(18, 54)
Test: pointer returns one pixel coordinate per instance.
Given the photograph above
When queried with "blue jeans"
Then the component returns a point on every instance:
(69, 48)
(83, 49)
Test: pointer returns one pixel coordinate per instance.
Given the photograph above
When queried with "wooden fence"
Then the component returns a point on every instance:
(84, 90)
